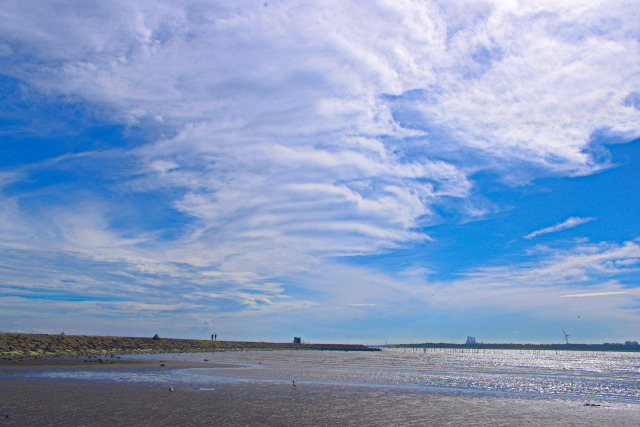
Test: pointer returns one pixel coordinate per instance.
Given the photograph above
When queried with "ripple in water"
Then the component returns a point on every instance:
(601, 376)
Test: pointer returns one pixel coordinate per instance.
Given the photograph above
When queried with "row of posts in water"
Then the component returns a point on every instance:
(482, 350)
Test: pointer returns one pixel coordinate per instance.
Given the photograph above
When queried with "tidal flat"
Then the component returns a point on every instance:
(64, 402)
(332, 388)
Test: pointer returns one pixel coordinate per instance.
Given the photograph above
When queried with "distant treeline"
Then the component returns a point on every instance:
(43, 345)
(498, 346)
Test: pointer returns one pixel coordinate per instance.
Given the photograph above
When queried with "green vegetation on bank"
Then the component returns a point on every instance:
(43, 345)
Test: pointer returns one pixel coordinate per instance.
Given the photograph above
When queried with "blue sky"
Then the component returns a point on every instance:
(400, 171)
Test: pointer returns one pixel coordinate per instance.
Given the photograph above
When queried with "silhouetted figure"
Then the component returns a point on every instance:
(294, 383)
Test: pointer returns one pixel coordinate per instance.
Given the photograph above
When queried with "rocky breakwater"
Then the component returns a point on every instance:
(18, 345)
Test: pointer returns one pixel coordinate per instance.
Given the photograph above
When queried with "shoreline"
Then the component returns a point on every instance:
(58, 401)
(616, 347)
(30, 396)
(101, 363)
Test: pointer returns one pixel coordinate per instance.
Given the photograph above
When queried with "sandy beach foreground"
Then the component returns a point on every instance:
(63, 402)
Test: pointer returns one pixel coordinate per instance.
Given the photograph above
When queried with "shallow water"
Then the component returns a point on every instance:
(591, 376)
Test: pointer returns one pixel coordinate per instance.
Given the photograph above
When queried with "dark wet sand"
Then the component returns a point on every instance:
(61, 402)
(99, 363)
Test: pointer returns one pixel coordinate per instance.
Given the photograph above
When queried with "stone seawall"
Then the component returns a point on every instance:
(43, 345)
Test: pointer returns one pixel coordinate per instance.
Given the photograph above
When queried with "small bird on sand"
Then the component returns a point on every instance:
(171, 388)
(294, 383)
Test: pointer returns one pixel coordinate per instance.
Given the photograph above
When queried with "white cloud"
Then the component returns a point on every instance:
(593, 294)
(496, 76)
(293, 134)
(571, 222)
(542, 283)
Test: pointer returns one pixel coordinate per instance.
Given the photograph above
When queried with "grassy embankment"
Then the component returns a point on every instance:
(42, 345)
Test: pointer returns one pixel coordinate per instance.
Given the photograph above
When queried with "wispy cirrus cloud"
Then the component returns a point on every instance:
(571, 222)
(594, 294)
(277, 139)
(590, 282)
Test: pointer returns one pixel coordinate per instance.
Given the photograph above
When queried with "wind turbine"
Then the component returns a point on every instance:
(566, 337)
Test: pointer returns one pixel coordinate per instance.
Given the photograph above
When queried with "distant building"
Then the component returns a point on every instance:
(631, 343)
(471, 341)
(297, 340)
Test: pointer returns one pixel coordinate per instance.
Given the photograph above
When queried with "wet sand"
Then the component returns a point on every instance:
(105, 362)
(63, 402)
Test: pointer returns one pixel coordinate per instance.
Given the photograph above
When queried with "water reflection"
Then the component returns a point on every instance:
(594, 375)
